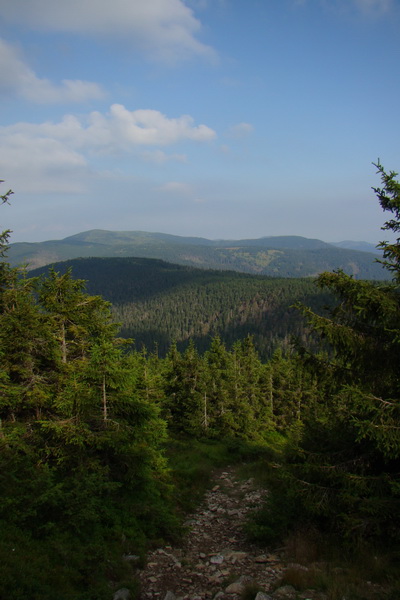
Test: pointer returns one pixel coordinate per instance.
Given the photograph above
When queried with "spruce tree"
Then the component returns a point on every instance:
(218, 408)
(184, 391)
(346, 469)
(81, 466)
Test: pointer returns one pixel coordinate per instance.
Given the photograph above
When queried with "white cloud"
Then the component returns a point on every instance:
(374, 5)
(164, 29)
(365, 6)
(225, 149)
(54, 156)
(149, 127)
(176, 187)
(18, 78)
(119, 130)
(159, 157)
(40, 164)
(240, 130)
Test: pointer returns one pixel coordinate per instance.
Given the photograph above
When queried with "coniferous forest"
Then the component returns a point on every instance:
(91, 425)
(157, 302)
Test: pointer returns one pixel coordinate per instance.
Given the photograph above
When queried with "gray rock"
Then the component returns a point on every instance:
(235, 588)
(262, 596)
(286, 592)
(235, 556)
(217, 560)
(239, 585)
(131, 557)
(261, 559)
(297, 567)
(169, 596)
(122, 594)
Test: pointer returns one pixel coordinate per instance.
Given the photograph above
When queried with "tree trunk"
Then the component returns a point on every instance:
(103, 389)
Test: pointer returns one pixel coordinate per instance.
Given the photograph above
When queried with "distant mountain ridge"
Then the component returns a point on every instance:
(362, 246)
(278, 256)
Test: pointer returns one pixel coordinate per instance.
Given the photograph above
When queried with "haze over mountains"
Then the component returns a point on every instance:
(362, 246)
(280, 256)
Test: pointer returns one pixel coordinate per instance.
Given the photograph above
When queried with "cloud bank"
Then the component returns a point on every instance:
(17, 78)
(165, 29)
(49, 152)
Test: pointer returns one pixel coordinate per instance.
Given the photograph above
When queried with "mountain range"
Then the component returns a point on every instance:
(278, 256)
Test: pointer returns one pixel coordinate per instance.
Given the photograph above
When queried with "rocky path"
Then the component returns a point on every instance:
(215, 560)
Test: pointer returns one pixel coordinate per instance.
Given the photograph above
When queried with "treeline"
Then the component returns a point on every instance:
(158, 303)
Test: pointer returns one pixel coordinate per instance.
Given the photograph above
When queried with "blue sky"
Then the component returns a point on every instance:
(214, 118)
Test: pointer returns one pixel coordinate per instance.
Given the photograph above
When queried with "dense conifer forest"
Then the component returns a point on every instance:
(89, 425)
(158, 303)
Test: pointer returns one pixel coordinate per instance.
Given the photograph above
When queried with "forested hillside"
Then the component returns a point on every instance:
(281, 256)
(158, 302)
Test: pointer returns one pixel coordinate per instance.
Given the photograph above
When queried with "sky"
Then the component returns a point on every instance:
(223, 119)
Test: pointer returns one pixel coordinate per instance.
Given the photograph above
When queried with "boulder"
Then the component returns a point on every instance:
(263, 596)
(122, 594)
(218, 559)
(286, 592)
(238, 586)
(169, 596)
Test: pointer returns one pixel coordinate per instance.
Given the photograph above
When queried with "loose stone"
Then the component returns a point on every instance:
(217, 560)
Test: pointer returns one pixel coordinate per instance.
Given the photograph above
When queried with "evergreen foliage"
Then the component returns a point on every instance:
(85, 419)
(342, 467)
(81, 466)
(158, 303)
(219, 395)
(4, 235)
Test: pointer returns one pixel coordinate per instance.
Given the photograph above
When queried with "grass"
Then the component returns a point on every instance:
(193, 463)
(324, 564)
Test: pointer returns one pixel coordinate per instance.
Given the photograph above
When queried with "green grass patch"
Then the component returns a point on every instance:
(193, 463)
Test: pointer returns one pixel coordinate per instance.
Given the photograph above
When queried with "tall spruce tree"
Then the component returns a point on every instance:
(251, 404)
(346, 468)
(80, 461)
(218, 410)
(184, 391)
